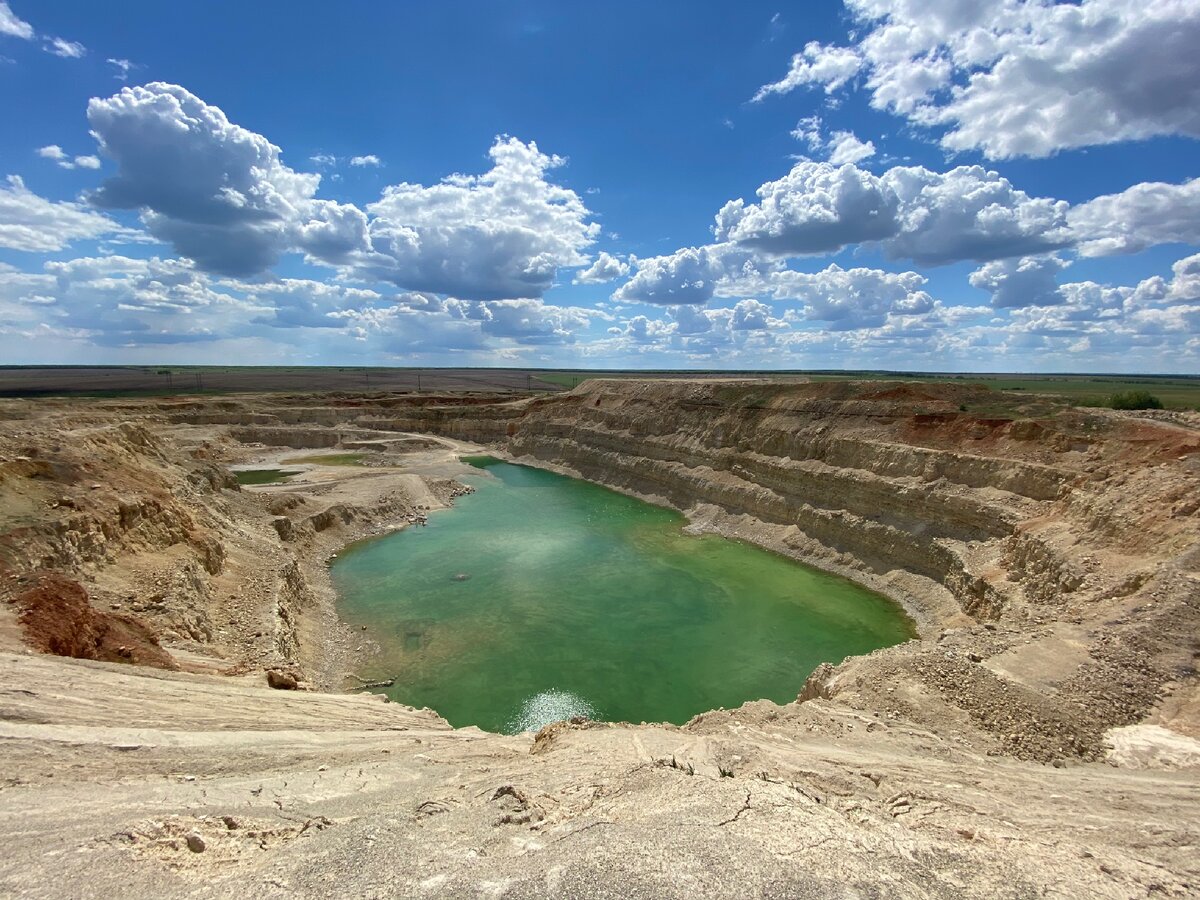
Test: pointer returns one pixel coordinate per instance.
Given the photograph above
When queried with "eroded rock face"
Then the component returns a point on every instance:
(1070, 529)
(57, 617)
(1050, 556)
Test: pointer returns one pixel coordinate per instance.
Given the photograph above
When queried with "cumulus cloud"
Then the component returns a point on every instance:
(369, 160)
(217, 192)
(304, 303)
(831, 67)
(1182, 287)
(13, 26)
(1142, 216)
(33, 223)
(930, 217)
(845, 147)
(687, 276)
(841, 146)
(494, 236)
(117, 301)
(123, 302)
(815, 208)
(970, 213)
(847, 299)
(1020, 283)
(740, 333)
(1021, 78)
(531, 322)
(56, 153)
(222, 196)
(606, 268)
(644, 330)
(1152, 324)
(752, 315)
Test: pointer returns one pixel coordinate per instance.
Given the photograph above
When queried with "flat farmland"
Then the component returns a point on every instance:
(110, 381)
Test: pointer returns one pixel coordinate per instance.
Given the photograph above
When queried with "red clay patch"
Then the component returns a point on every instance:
(58, 618)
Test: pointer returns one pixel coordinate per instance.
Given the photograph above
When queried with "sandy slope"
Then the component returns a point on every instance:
(350, 796)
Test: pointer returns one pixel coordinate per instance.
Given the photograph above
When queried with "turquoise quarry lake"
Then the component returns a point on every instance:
(578, 600)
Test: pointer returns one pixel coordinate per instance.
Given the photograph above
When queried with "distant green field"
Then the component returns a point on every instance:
(1175, 391)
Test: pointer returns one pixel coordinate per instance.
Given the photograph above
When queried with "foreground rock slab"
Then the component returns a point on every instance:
(201, 786)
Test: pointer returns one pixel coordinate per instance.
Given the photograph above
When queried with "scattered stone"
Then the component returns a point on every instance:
(196, 843)
(282, 681)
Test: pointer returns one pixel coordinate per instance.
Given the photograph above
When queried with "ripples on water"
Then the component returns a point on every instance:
(548, 707)
(579, 601)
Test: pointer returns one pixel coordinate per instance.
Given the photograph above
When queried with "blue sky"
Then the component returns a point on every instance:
(950, 185)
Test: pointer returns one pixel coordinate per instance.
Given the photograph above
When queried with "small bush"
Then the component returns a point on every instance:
(1134, 400)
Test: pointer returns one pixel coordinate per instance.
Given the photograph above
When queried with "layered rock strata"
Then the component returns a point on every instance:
(1049, 556)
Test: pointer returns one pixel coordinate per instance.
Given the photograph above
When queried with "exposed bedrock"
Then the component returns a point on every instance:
(1067, 533)
(954, 500)
(1051, 556)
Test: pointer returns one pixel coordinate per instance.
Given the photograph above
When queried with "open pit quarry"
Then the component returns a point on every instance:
(1041, 737)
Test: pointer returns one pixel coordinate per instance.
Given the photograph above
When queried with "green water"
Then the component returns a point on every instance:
(578, 600)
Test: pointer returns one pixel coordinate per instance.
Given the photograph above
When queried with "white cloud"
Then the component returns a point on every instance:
(808, 130)
(121, 302)
(817, 63)
(1020, 283)
(55, 153)
(223, 197)
(219, 193)
(841, 146)
(687, 276)
(930, 217)
(1016, 78)
(368, 160)
(752, 315)
(605, 268)
(323, 159)
(13, 26)
(815, 208)
(1183, 287)
(1142, 216)
(116, 301)
(422, 323)
(499, 235)
(304, 303)
(847, 299)
(531, 322)
(32, 223)
(64, 48)
(970, 213)
(845, 147)
(123, 67)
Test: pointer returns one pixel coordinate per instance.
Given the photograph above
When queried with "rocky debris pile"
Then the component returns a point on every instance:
(57, 617)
